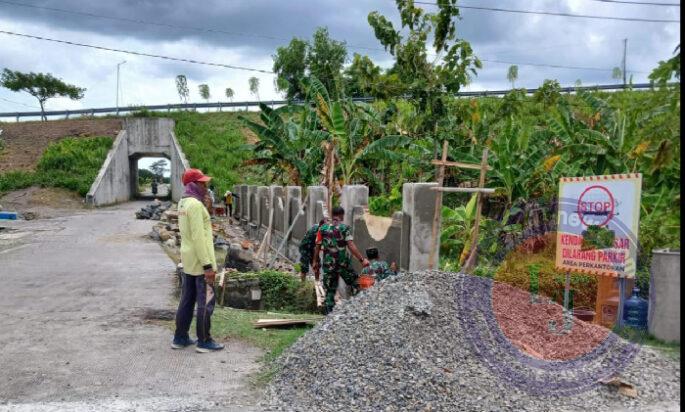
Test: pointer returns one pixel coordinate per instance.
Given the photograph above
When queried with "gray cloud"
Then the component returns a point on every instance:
(266, 24)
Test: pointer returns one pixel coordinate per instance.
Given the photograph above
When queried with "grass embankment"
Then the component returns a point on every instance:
(72, 163)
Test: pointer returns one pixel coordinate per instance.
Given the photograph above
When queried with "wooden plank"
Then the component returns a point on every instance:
(471, 260)
(266, 323)
(438, 207)
(483, 190)
(459, 164)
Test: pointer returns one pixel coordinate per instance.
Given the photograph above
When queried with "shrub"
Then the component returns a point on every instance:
(283, 291)
(71, 163)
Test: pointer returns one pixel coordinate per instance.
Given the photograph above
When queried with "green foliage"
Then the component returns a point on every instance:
(253, 82)
(204, 91)
(214, 143)
(182, 88)
(42, 86)
(282, 291)
(386, 204)
(513, 75)
(361, 77)
(667, 69)
(549, 93)
(322, 58)
(71, 163)
(229, 93)
(290, 67)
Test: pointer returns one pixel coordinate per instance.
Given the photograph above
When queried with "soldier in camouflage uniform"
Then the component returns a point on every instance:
(378, 269)
(334, 239)
(307, 246)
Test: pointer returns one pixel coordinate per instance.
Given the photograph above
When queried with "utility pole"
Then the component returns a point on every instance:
(625, 46)
(119, 64)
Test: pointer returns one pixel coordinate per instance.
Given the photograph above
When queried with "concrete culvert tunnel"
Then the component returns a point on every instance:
(120, 175)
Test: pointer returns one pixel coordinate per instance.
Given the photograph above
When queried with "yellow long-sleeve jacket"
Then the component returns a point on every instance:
(197, 241)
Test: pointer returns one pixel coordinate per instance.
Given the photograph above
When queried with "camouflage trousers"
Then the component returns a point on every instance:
(331, 277)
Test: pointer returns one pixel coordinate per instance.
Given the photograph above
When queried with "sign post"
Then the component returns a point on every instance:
(597, 227)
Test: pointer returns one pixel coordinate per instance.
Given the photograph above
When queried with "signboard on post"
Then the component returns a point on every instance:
(598, 223)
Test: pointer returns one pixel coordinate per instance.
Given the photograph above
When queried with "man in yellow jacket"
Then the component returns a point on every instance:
(199, 265)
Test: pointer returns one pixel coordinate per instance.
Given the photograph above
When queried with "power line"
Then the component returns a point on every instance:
(22, 104)
(159, 56)
(210, 30)
(549, 13)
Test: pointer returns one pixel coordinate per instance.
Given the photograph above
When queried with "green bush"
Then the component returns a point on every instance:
(71, 163)
(282, 291)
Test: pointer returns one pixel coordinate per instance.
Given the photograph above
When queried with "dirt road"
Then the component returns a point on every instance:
(73, 328)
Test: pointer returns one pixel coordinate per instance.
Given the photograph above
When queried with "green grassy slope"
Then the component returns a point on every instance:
(72, 163)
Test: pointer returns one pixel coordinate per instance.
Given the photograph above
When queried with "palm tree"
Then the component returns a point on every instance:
(512, 75)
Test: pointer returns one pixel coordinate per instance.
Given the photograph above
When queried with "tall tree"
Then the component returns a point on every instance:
(323, 58)
(254, 86)
(427, 81)
(42, 86)
(290, 67)
(361, 77)
(182, 88)
(159, 167)
(204, 92)
(512, 75)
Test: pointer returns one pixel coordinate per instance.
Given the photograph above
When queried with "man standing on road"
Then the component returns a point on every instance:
(199, 265)
(334, 239)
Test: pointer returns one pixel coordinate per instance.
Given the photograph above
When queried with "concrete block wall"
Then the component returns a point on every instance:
(404, 238)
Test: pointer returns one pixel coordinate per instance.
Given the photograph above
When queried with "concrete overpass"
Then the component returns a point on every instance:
(141, 137)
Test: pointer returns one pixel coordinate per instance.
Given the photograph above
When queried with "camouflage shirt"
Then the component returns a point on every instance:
(379, 269)
(333, 238)
(307, 248)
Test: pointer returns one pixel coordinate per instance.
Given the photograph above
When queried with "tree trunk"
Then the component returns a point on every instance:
(43, 117)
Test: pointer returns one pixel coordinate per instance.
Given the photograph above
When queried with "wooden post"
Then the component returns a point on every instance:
(471, 260)
(438, 207)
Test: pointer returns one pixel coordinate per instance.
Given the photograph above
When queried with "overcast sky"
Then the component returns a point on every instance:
(259, 26)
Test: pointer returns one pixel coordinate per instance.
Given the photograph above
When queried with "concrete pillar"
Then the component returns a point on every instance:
(291, 192)
(663, 320)
(244, 203)
(418, 206)
(250, 203)
(263, 194)
(316, 194)
(276, 193)
(352, 196)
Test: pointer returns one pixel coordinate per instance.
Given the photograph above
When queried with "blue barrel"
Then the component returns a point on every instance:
(635, 311)
(8, 215)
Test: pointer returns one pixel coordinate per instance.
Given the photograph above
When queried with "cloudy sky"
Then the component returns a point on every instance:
(246, 33)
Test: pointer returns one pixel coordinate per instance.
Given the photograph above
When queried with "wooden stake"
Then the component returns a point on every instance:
(471, 260)
(438, 206)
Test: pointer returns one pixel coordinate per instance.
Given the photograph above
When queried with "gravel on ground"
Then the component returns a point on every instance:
(430, 341)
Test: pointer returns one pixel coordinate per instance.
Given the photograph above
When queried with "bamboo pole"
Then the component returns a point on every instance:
(471, 260)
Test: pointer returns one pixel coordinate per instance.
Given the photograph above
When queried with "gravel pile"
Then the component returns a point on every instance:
(430, 341)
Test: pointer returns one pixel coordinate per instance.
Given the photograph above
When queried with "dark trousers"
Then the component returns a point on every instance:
(194, 289)
(229, 209)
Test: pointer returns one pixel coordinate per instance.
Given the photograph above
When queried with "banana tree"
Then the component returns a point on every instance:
(289, 142)
(356, 132)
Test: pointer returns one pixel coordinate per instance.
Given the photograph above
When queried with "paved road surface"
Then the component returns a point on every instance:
(72, 330)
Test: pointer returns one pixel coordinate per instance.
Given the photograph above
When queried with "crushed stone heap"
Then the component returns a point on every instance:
(430, 341)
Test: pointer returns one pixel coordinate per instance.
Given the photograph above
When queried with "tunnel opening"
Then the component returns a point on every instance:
(150, 176)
